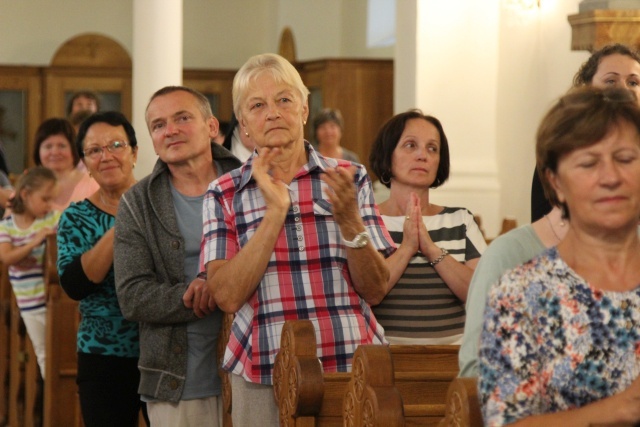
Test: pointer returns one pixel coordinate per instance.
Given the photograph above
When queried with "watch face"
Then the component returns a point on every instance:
(361, 240)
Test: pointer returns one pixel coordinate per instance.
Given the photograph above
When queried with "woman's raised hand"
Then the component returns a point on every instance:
(412, 221)
(274, 191)
(342, 195)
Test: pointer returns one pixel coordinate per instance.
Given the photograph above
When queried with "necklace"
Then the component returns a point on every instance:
(553, 230)
(104, 202)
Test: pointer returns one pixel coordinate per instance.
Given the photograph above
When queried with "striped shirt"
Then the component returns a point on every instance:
(421, 305)
(26, 277)
(307, 276)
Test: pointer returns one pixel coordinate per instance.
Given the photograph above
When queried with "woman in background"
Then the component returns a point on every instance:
(54, 149)
(614, 65)
(327, 130)
(438, 246)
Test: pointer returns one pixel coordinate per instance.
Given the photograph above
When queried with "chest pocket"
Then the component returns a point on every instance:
(322, 208)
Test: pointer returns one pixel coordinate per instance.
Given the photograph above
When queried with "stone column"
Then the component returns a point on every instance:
(157, 62)
(440, 47)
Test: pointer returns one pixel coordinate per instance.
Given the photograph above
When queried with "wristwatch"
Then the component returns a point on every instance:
(360, 241)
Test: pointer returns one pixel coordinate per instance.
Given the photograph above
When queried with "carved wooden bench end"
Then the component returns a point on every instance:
(372, 398)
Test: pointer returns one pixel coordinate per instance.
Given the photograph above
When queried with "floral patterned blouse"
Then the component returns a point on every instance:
(551, 342)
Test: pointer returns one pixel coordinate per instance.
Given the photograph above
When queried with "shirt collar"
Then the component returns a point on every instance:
(316, 162)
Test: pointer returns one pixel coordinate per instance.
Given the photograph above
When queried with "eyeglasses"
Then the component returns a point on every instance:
(95, 152)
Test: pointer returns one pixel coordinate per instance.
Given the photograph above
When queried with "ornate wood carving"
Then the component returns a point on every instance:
(372, 399)
(594, 29)
(463, 407)
(91, 50)
(287, 48)
(297, 375)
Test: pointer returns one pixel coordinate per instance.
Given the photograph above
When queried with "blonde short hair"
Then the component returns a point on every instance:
(281, 70)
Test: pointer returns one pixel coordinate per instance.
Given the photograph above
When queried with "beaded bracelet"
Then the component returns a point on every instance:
(443, 253)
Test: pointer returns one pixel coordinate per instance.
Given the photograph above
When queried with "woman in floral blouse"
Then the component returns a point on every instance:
(561, 338)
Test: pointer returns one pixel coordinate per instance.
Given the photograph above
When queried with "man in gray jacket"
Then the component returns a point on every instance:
(156, 256)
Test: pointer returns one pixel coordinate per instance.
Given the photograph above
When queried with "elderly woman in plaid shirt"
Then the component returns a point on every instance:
(289, 235)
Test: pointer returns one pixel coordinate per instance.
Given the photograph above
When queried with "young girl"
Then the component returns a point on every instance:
(22, 236)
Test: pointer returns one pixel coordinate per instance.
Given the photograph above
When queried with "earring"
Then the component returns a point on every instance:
(304, 122)
(246, 133)
(134, 165)
(385, 182)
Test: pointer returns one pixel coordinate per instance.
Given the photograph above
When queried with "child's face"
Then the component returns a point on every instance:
(38, 202)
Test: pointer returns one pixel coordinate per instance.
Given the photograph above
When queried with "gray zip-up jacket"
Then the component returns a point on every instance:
(149, 272)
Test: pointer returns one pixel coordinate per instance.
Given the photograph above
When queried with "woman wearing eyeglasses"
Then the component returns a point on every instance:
(107, 343)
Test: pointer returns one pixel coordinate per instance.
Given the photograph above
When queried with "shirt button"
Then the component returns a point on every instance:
(175, 244)
(173, 384)
(295, 209)
(297, 219)
(298, 228)
(299, 238)
(301, 248)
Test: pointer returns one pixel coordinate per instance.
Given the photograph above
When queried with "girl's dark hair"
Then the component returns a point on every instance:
(112, 118)
(588, 70)
(32, 180)
(387, 140)
(55, 126)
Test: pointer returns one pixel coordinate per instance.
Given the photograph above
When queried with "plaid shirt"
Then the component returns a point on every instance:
(307, 276)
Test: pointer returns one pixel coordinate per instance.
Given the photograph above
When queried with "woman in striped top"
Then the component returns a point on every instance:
(438, 246)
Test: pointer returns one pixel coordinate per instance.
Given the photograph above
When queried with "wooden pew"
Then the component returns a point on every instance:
(21, 386)
(306, 397)
(411, 381)
(24, 378)
(463, 404)
(223, 340)
(5, 341)
(61, 404)
(418, 374)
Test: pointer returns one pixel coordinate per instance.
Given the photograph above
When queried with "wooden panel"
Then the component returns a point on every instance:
(361, 89)
(209, 82)
(61, 404)
(91, 51)
(60, 81)
(5, 340)
(29, 81)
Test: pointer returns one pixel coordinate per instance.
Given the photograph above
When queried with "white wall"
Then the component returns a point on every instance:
(217, 33)
(536, 66)
(455, 79)
(32, 30)
(487, 72)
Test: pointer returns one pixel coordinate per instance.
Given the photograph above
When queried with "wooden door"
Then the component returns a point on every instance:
(20, 114)
(89, 62)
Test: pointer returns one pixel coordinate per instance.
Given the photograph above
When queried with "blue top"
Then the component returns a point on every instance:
(103, 330)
